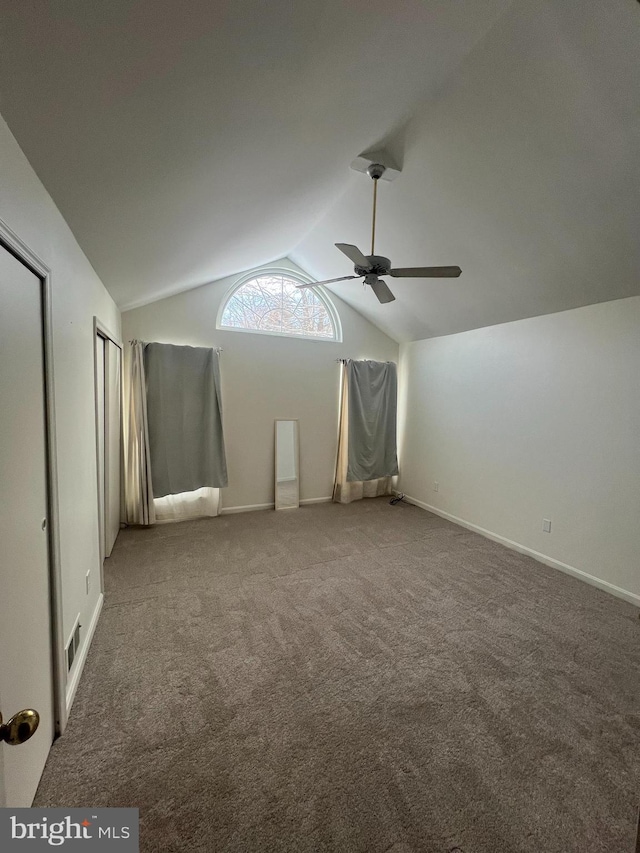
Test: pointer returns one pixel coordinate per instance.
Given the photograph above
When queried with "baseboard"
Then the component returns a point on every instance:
(72, 685)
(631, 597)
(229, 510)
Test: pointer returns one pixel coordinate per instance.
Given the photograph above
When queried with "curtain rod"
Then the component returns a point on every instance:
(136, 341)
(343, 360)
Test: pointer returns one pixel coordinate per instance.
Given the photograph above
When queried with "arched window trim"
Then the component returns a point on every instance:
(319, 291)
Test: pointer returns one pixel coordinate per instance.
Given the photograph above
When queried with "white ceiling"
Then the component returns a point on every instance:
(186, 146)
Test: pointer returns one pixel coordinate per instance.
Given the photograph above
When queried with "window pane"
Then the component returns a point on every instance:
(273, 303)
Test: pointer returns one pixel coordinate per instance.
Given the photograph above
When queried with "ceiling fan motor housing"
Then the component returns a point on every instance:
(379, 266)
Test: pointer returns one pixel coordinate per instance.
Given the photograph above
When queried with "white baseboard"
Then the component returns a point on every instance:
(631, 597)
(229, 510)
(80, 660)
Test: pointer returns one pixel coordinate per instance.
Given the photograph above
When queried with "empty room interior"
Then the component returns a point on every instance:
(320, 425)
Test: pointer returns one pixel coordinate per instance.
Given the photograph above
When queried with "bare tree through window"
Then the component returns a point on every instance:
(273, 303)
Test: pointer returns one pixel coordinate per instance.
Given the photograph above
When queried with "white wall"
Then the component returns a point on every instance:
(534, 419)
(265, 377)
(77, 295)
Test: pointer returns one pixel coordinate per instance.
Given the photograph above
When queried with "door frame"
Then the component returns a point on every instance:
(101, 330)
(10, 241)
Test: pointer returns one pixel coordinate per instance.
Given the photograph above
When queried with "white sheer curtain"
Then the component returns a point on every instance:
(201, 503)
(141, 507)
(138, 489)
(345, 492)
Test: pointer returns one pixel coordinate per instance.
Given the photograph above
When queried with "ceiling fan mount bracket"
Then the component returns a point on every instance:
(377, 158)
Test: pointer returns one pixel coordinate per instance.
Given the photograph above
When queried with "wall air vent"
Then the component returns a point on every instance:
(73, 645)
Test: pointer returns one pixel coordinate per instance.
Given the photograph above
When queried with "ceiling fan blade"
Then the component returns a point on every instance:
(354, 254)
(426, 272)
(381, 290)
(328, 281)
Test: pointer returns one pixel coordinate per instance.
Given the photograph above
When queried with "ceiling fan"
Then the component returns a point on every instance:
(371, 267)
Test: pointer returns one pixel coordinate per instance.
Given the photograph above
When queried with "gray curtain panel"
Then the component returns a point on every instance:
(184, 411)
(373, 391)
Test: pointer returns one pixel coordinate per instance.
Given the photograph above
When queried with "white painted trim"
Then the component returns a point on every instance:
(631, 597)
(320, 292)
(79, 662)
(98, 426)
(59, 662)
(101, 330)
(231, 510)
(288, 335)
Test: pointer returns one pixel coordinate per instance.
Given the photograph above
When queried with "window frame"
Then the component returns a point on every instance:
(302, 278)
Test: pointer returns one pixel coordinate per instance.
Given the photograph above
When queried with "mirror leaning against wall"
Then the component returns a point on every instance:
(287, 476)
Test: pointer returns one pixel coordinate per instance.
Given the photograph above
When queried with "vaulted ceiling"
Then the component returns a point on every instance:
(184, 142)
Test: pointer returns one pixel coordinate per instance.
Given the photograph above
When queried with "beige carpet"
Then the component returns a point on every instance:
(362, 678)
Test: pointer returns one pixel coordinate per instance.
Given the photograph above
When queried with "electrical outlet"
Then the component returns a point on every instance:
(436, 486)
(87, 580)
(546, 525)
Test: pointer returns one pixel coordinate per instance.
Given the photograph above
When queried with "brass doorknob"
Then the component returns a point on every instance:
(20, 727)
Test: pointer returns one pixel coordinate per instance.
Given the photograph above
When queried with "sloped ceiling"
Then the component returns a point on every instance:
(187, 142)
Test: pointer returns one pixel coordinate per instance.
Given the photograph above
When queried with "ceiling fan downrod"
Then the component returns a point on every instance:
(370, 268)
(375, 172)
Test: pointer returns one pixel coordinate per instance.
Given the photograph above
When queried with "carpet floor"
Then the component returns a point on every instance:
(363, 679)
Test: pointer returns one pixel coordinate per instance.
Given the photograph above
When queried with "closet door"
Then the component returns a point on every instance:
(113, 442)
(100, 343)
(26, 679)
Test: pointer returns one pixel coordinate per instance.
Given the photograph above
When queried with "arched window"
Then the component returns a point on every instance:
(270, 303)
